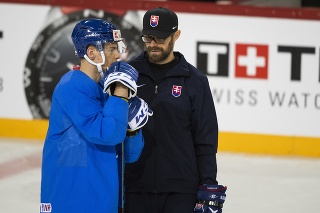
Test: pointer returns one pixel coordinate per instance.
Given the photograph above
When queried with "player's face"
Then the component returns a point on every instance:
(160, 53)
(111, 53)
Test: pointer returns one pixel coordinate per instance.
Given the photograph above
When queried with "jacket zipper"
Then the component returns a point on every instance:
(156, 89)
(155, 154)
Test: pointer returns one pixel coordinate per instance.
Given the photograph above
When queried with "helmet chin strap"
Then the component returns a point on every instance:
(98, 65)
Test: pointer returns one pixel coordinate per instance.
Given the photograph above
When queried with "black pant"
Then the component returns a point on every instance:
(165, 202)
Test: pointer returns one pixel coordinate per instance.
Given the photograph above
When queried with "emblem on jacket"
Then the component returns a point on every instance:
(176, 90)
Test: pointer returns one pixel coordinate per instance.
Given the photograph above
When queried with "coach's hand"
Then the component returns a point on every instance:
(210, 198)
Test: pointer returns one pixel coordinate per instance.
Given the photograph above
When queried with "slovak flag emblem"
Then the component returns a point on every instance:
(154, 20)
(176, 90)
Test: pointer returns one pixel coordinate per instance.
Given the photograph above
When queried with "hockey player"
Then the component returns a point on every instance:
(177, 169)
(86, 123)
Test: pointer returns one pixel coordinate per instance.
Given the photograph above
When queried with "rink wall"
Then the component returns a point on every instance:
(228, 141)
(262, 65)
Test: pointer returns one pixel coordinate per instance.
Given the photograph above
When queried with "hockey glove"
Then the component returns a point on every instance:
(210, 198)
(124, 73)
(139, 113)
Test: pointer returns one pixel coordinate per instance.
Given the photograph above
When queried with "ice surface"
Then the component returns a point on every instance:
(256, 183)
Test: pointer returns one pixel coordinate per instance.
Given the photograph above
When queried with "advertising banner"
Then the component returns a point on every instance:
(264, 72)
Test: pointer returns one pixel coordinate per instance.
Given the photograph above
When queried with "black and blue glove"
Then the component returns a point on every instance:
(210, 198)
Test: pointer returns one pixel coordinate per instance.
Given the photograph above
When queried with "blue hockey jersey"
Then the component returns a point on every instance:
(79, 164)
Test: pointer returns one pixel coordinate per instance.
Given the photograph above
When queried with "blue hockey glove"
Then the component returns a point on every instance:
(139, 113)
(124, 73)
(210, 198)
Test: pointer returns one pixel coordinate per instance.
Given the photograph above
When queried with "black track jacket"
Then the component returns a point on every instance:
(181, 137)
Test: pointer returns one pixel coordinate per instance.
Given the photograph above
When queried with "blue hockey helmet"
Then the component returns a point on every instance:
(95, 32)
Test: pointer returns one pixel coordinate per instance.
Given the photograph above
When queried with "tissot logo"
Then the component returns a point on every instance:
(279, 66)
(250, 60)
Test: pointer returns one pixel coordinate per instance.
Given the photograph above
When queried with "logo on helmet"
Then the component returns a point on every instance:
(93, 34)
(117, 35)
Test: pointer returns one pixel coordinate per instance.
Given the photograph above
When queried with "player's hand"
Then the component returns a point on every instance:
(133, 147)
(124, 73)
(139, 113)
(210, 198)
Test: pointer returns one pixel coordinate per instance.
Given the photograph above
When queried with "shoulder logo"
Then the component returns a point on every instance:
(174, 27)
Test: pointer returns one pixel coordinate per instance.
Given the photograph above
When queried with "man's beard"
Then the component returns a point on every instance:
(158, 58)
